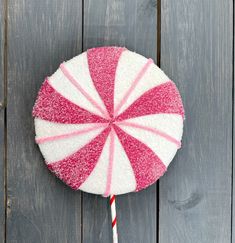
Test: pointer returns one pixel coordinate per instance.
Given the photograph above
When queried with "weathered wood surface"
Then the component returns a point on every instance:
(196, 52)
(195, 202)
(131, 24)
(2, 115)
(233, 182)
(41, 34)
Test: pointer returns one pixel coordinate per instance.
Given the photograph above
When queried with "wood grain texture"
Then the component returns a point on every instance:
(131, 24)
(41, 34)
(233, 182)
(196, 52)
(2, 118)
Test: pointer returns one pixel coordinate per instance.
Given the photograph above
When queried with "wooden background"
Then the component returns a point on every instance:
(192, 41)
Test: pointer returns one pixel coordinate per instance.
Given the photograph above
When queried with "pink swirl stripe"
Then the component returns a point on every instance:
(76, 168)
(155, 131)
(79, 88)
(71, 134)
(164, 98)
(52, 106)
(103, 62)
(110, 166)
(133, 85)
(147, 166)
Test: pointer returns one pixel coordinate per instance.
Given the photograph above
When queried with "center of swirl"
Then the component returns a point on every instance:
(111, 121)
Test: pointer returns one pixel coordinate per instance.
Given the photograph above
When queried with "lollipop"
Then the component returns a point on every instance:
(108, 122)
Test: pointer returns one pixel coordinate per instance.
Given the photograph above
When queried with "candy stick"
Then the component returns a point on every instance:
(114, 218)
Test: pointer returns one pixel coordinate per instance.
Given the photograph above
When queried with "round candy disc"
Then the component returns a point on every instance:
(108, 121)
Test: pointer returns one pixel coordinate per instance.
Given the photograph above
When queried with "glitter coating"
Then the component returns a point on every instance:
(51, 106)
(102, 65)
(74, 169)
(164, 98)
(146, 165)
(141, 161)
(134, 83)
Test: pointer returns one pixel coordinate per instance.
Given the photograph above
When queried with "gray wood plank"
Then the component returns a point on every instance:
(131, 24)
(2, 117)
(41, 35)
(196, 52)
(233, 182)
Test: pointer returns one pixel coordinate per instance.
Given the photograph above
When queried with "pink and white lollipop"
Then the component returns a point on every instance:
(108, 121)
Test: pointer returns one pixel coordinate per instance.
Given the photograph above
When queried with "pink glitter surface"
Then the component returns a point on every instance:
(146, 165)
(52, 106)
(164, 98)
(75, 169)
(102, 66)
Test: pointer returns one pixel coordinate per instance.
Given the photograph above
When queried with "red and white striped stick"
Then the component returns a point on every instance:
(114, 217)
